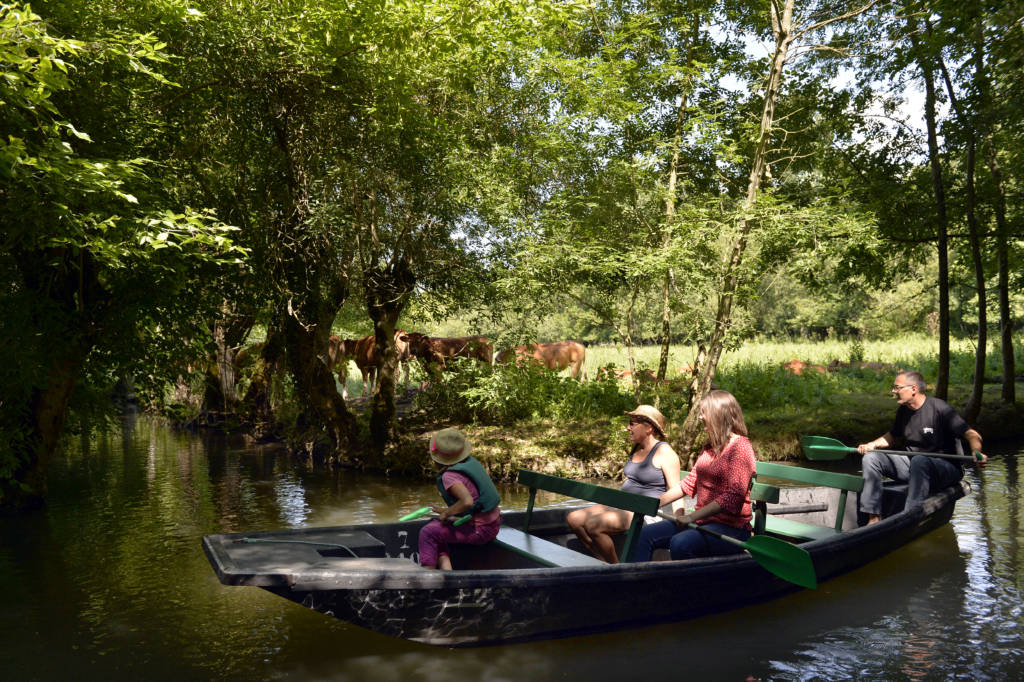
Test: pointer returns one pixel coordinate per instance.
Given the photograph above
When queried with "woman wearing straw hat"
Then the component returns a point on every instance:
(466, 487)
(652, 470)
(720, 482)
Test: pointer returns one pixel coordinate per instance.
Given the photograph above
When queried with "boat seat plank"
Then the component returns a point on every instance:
(796, 529)
(541, 550)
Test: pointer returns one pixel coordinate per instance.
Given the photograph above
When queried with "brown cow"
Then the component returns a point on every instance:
(365, 356)
(880, 367)
(644, 376)
(555, 356)
(434, 352)
(626, 375)
(798, 367)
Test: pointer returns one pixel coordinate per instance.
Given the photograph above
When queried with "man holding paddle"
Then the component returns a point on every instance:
(923, 424)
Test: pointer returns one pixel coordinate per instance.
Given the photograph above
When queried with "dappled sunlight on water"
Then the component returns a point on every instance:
(110, 582)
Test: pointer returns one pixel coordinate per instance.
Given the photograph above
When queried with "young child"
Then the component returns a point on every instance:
(466, 488)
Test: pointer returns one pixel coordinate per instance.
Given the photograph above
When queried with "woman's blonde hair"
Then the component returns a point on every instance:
(722, 418)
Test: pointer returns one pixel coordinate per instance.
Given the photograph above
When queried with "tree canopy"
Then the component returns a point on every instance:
(177, 174)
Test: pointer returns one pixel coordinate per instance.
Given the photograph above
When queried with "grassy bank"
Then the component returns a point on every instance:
(585, 437)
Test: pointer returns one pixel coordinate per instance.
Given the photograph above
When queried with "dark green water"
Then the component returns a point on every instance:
(110, 582)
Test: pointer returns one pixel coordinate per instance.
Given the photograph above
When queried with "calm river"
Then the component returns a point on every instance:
(110, 583)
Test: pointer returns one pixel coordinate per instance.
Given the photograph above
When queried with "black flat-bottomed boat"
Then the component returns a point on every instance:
(535, 581)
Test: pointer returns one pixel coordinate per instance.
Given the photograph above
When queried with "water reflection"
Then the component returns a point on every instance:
(110, 582)
(291, 498)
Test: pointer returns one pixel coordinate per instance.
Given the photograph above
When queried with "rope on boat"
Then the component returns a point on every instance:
(250, 541)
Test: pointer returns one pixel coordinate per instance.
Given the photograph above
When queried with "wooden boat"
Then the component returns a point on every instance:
(541, 584)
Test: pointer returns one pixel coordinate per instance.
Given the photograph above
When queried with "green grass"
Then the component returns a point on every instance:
(852, 405)
(911, 352)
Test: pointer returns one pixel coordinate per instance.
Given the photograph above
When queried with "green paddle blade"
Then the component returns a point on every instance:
(822, 448)
(780, 558)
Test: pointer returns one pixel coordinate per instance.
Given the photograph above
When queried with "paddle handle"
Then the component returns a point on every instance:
(702, 529)
(956, 458)
(423, 511)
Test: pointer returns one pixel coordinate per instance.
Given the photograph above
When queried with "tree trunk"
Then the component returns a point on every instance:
(698, 366)
(41, 430)
(666, 326)
(1009, 392)
(322, 405)
(942, 222)
(221, 380)
(69, 281)
(969, 124)
(988, 127)
(783, 26)
(977, 390)
(670, 207)
(974, 404)
(628, 340)
(387, 290)
(257, 401)
(316, 287)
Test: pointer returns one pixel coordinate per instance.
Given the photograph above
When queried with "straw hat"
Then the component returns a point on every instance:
(651, 414)
(449, 446)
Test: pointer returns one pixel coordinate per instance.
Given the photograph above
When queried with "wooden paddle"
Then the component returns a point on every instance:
(823, 448)
(778, 557)
(423, 511)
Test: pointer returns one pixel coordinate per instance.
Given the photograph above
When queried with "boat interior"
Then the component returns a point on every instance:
(790, 503)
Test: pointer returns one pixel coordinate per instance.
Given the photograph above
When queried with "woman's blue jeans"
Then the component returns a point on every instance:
(687, 543)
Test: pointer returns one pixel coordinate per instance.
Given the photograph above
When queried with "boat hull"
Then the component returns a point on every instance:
(489, 604)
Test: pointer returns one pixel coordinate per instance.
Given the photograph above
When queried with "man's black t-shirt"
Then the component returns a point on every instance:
(933, 427)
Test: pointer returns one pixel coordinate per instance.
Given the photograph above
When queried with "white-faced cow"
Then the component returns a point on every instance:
(364, 353)
(368, 363)
(555, 356)
(339, 352)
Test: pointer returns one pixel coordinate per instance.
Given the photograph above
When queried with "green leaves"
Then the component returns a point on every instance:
(97, 254)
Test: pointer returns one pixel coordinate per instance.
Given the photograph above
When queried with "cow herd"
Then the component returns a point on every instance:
(436, 353)
(799, 367)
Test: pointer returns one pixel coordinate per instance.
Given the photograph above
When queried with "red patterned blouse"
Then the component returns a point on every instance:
(725, 479)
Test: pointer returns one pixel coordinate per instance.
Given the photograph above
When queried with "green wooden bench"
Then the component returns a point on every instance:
(638, 504)
(768, 523)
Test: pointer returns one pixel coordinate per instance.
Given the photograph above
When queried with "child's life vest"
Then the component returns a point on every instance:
(489, 498)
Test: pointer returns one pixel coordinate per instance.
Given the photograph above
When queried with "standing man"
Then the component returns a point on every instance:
(922, 424)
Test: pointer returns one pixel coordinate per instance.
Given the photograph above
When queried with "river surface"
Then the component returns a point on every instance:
(109, 582)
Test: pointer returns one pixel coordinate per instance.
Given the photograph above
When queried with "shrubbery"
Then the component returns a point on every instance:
(506, 394)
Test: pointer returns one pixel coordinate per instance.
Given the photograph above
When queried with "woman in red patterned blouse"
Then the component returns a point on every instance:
(720, 482)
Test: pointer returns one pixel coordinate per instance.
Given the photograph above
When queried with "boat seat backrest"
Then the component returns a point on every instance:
(640, 505)
(845, 483)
